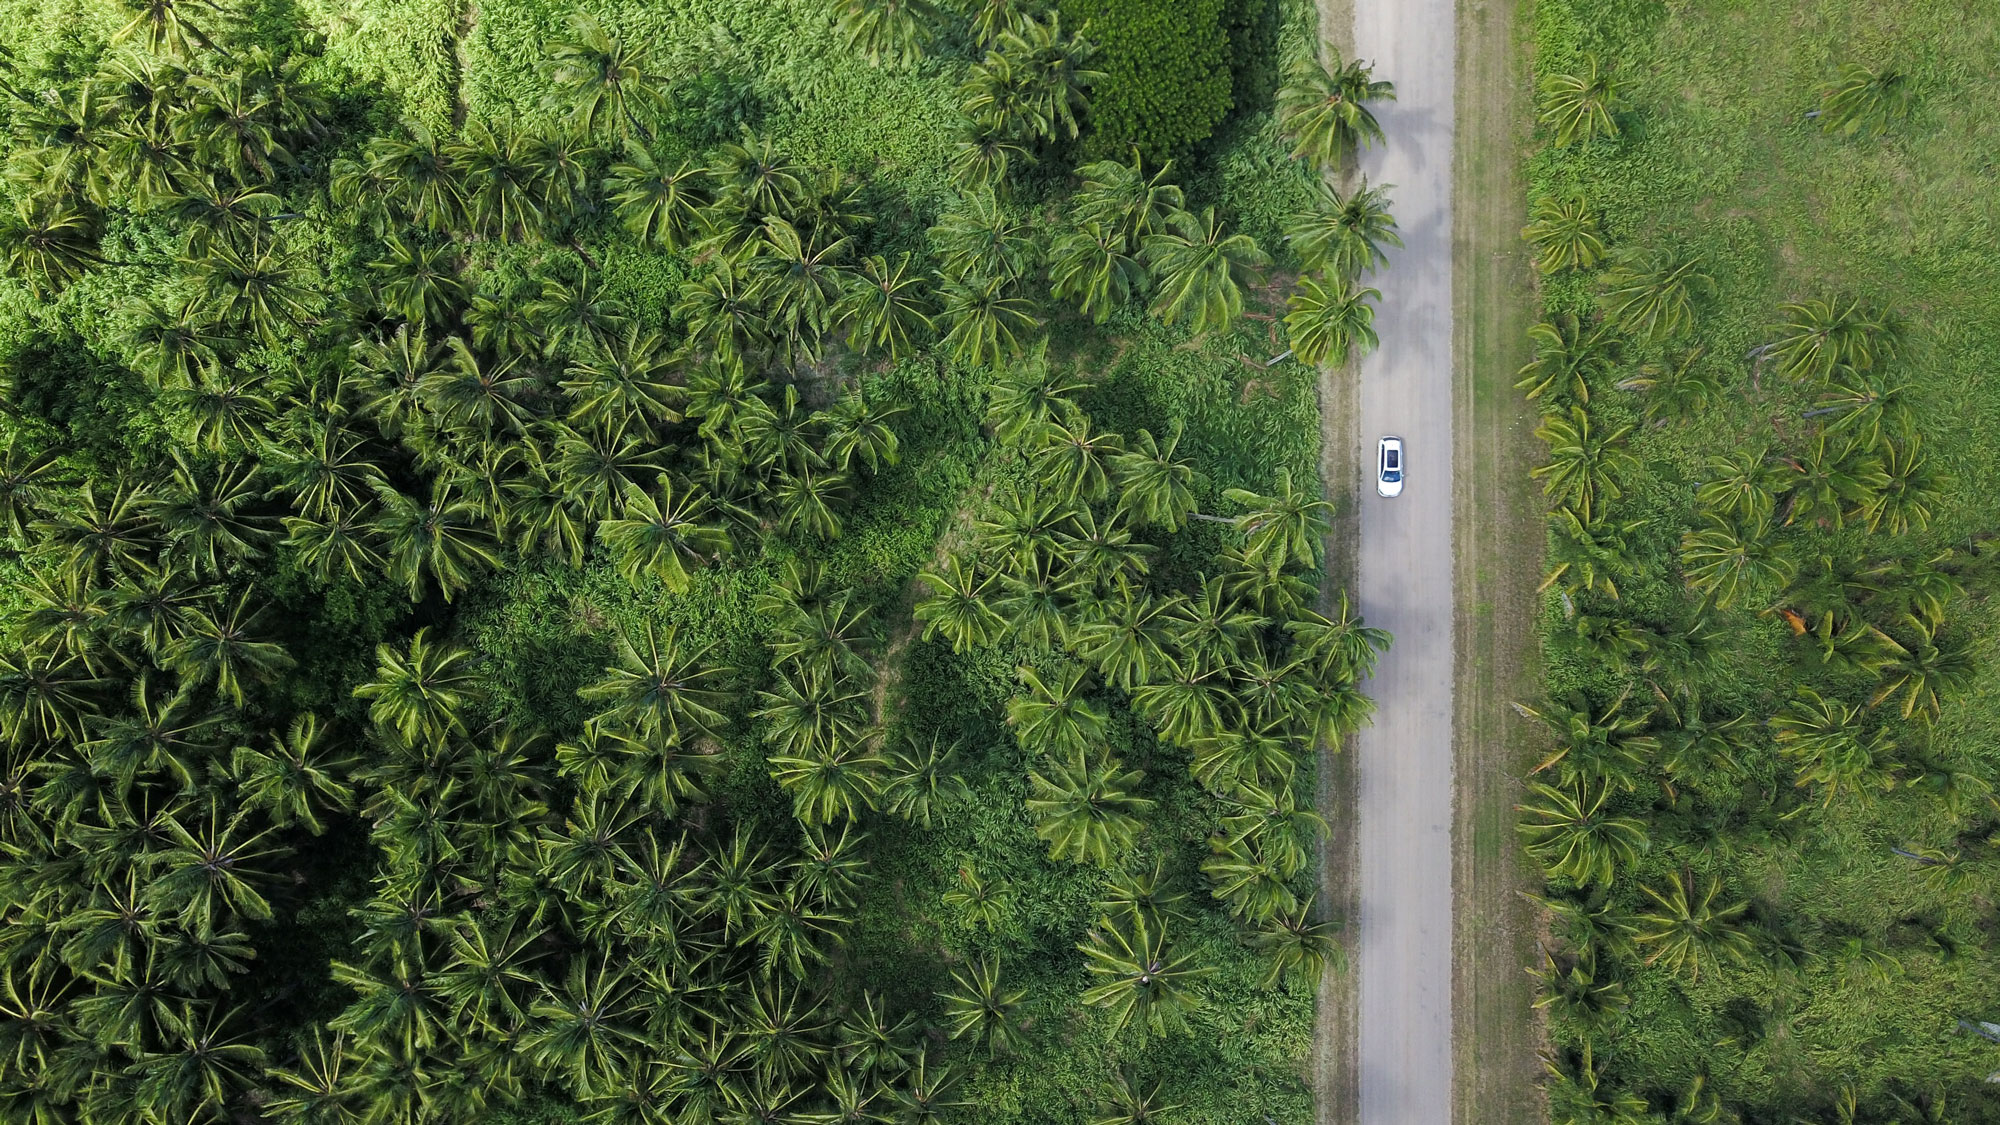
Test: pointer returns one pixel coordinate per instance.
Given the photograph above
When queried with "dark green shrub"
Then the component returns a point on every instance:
(1167, 76)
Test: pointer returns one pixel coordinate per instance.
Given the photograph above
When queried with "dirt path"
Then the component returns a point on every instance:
(1403, 763)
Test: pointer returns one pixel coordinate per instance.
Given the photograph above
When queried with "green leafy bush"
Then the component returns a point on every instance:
(1167, 79)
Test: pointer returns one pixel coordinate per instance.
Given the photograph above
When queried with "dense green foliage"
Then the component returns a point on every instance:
(603, 568)
(1167, 79)
(1767, 813)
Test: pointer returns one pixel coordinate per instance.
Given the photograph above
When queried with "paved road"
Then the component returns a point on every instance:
(1404, 769)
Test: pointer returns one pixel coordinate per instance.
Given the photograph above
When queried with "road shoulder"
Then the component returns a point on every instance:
(1499, 545)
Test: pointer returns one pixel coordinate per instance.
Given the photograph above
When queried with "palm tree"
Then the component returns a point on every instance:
(957, 607)
(49, 243)
(1299, 949)
(1689, 930)
(1871, 405)
(1324, 109)
(1287, 526)
(984, 239)
(1742, 486)
(1866, 101)
(1583, 465)
(419, 282)
(1583, 105)
(1344, 236)
(604, 79)
(988, 323)
(1123, 201)
(200, 1067)
(1923, 668)
(983, 155)
(422, 696)
(1054, 717)
(227, 651)
(1568, 356)
(1087, 810)
(1569, 831)
(1139, 976)
(212, 873)
(660, 534)
(1052, 71)
(1589, 557)
(659, 208)
(858, 431)
(1821, 336)
(1727, 560)
(1650, 293)
(299, 777)
(1200, 270)
(656, 690)
(1909, 491)
(588, 1030)
(839, 779)
(1094, 267)
(1155, 488)
(885, 307)
(445, 537)
(1575, 991)
(920, 779)
(1075, 462)
(894, 31)
(1678, 389)
(1593, 745)
(164, 28)
(1331, 320)
(1342, 648)
(262, 289)
(977, 1008)
(501, 178)
(1564, 233)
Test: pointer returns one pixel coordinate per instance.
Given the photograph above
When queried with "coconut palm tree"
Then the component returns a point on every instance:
(421, 696)
(1873, 406)
(1564, 234)
(987, 322)
(49, 243)
(604, 80)
(660, 534)
(297, 777)
(1650, 294)
(984, 239)
(1726, 560)
(1832, 481)
(886, 307)
(1742, 486)
(1324, 110)
(1284, 527)
(978, 1009)
(984, 153)
(1155, 487)
(163, 27)
(1569, 355)
(957, 609)
(1051, 71)
(1139, 976)
(1690, 931)
(1921, 669)
(227, 650)
(1086, 808)
(1822, 336)
(1575, 991)
(1344, 235)
(1298, 949)
(1589, 557)
(502, 180)
(1593, 745)
(1094, 267)
(1825, 739)
(1584, 105)
(658, 690)
(1124, 202)
(1866, 101)
(1570, 832)
(659, 207)
(1331, 320)
(1910, 489)
(1200, 271)
(1053, 716)
(894, 31)
(839, 780)
(1676, 390)
(1585, 467)
(447, 538)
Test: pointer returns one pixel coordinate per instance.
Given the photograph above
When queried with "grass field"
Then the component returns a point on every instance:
(1864, 960)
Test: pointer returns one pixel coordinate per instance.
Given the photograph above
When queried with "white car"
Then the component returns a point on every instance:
(1389, 467)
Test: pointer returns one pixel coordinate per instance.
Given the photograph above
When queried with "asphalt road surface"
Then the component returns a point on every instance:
(1404, 768)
